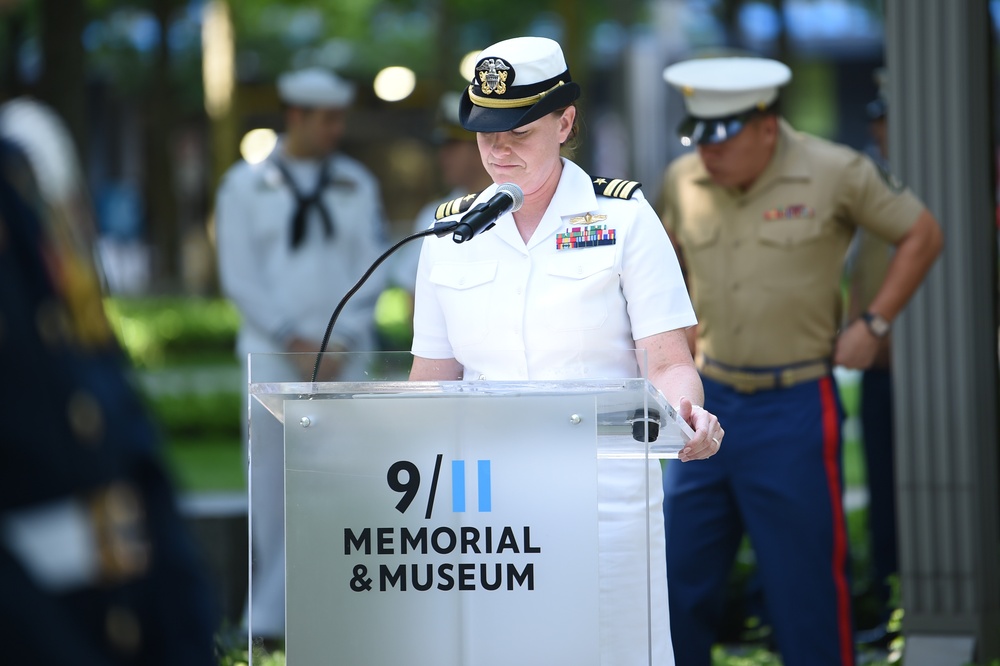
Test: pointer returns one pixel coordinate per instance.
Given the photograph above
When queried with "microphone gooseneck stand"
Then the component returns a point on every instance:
(439, 229)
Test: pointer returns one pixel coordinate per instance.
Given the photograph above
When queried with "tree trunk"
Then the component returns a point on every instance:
(63, 80)
(161, 191)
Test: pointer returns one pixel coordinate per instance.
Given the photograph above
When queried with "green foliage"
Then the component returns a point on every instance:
(161, 332)
(752, 656)
(185, 414)
(207, 464)
(182, 349)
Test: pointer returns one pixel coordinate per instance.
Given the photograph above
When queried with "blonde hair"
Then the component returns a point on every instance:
(572, 143)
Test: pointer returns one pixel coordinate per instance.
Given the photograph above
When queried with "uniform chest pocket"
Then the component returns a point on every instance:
(789, 233)
(464, 275)
(700, 233)
(464, 294)
(583, 282)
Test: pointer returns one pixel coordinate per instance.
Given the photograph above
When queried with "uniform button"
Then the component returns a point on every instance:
(737, 330)
(461, 280)
(736, 286)
(123, 629)
(736, 243)
(85, 417)
(518, 290)
(579, 270)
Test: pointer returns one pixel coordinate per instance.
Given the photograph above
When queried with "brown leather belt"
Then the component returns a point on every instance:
(750, 380)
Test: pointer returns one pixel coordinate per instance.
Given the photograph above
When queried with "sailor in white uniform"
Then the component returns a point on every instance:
(294, 233)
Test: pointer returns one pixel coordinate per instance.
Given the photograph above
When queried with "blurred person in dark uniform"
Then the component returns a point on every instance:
(763, 216)
(96, 565)
(868, 262)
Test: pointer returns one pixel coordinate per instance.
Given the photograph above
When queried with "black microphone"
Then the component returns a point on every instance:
(482, 217)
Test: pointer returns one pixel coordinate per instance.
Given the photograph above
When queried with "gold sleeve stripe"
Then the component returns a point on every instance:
(627, 189)
(454, 206)
(618, 188)
(612, 189)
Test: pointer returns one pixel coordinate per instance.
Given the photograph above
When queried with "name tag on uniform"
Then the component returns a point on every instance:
(793, 212)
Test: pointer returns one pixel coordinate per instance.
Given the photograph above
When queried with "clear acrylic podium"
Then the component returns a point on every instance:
(450, 523)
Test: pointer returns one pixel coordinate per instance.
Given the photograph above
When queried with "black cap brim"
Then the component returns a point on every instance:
(483, 119)
(706, 131)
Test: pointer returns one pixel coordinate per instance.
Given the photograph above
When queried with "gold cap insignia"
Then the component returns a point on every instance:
(493, 75)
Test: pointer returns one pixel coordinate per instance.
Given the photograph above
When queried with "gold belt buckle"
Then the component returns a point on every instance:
(748, 382)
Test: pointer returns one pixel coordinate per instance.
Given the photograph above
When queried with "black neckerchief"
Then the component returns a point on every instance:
(305, 202)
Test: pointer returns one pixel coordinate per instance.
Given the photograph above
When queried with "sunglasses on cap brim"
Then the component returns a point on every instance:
(701, 131)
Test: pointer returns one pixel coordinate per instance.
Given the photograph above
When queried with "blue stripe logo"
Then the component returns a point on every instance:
(484, 484)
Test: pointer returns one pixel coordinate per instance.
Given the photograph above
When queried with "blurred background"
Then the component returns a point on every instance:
(162, 96)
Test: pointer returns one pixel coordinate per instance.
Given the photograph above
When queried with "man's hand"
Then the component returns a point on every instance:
(856, 347)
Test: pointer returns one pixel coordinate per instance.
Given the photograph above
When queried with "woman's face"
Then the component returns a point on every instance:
(527, 156)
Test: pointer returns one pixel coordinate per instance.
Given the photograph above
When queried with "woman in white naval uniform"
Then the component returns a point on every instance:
(522, 302)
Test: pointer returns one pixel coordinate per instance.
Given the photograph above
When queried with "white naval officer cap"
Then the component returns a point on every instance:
(516, 81)
(315, 87)
(722, 94)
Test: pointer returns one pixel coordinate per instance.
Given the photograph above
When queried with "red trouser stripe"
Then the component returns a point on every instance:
(831, 450)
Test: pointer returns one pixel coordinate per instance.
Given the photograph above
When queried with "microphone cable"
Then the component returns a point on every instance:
(438, 229)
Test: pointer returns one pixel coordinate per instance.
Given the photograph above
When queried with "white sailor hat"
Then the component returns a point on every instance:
(315, 87)
(516, 81)
(721, 94)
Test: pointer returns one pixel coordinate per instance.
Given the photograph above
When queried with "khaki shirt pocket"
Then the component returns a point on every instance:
(701, 233)
(789, 233)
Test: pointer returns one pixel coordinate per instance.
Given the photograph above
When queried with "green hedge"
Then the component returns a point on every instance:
(175, 344)
(159, 332)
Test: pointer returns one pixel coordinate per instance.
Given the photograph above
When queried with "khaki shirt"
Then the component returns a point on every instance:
(764, 266)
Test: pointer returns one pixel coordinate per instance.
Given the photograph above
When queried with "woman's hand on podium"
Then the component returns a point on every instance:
(708, 433)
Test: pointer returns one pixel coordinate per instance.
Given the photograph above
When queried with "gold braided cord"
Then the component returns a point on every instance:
(496, 103)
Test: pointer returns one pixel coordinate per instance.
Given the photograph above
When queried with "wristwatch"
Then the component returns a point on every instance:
(877, 324)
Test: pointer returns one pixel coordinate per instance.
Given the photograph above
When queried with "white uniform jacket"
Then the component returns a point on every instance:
(282, 291)
(510, 310)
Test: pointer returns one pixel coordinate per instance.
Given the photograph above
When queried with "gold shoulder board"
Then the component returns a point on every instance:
(615, 187)
(455, 206)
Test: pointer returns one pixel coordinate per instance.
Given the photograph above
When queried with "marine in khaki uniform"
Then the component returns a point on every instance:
(762, 216)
